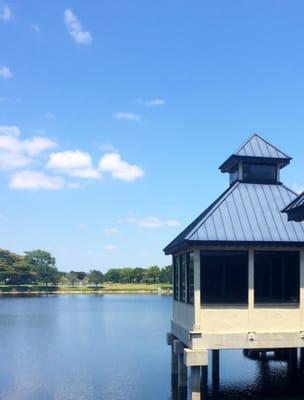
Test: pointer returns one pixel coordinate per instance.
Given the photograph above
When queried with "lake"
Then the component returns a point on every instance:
(112, 347)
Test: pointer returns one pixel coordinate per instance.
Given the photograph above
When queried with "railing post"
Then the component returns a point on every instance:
(197, 291)
(250, 287)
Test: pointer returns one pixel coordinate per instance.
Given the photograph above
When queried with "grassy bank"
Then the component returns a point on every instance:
(69, 289)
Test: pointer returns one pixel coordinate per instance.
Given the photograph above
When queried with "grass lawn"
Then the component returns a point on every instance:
(106, 287)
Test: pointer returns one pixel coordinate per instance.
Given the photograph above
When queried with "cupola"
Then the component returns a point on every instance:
(256, 161)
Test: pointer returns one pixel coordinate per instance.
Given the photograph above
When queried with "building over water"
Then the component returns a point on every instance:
(238, 269)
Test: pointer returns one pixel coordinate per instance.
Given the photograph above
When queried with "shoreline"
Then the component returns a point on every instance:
(99, 292)
(28, 290)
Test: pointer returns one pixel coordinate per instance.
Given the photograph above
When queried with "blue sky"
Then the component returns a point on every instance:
(115, 115)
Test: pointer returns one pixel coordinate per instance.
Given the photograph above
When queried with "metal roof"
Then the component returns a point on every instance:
(256, 148)
(297, 202)
(295, 210)
(246, 213)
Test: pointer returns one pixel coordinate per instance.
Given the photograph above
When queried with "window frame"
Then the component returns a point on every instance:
(284, 265)
(190, 278)
(223, 270)
(260, 179)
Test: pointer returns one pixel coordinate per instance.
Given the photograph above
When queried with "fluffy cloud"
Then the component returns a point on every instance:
(76, 29)
(120, 169)
(155, 222)
(35, 180)
(5, 72)
(152, 103)
(74, 163)
(6, 13)
(109, 247)
(110, 231)
(15, 152)
(127, 116)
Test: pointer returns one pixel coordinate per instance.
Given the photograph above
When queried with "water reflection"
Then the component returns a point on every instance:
(275, 375)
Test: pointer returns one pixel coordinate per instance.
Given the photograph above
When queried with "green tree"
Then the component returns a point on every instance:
(126, 275)
(138, 274)
(13, 269)
(153, 273)
(80, 275)
(43, 264)
(96, 277)
(113, 275)
(72, 278)
(166, 274)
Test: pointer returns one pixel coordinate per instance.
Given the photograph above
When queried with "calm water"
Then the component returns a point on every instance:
(111, 347)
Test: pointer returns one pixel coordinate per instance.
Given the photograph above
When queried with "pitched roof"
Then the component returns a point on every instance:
(297, 202)
(245, 213)
(295, 209)
(258, 148)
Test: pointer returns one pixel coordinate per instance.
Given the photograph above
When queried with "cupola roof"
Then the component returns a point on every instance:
(256, 149)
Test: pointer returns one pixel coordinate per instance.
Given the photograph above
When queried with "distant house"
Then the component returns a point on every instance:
(238, 269)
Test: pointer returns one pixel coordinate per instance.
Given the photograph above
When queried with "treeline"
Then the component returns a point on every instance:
(39, 267)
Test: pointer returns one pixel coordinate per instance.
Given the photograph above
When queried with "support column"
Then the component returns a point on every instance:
(302, 358)
(197, 291)
(215, 370)
(292, 359)
(250, 289)
(195, 383)
(302, 288)
(178, 348)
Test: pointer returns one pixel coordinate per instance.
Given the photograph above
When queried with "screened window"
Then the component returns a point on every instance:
(277, 277)
(234, 175)
(224, 277)
(260, 172)
(176, 271)
(190, 278)
(182, 287)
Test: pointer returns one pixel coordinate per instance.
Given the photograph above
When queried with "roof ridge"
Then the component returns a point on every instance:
(212, 210)
(256, 135)
(244, 143)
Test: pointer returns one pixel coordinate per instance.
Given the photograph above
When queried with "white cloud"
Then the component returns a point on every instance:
(155, 222)
(120, 169)
(35, 180)
(127, 116)
(6, 13)
(15, 152)
(36, 28)
(74, 163)
(5, 72)
(152, 103)
(76, 29)
(10, 130)
(109, 247)
(110, 231)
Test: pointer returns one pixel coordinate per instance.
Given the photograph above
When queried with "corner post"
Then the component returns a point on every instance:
(302, 288)
(250, 286)
(197, 291)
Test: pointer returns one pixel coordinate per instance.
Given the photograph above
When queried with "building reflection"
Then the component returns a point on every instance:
(278, 375)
